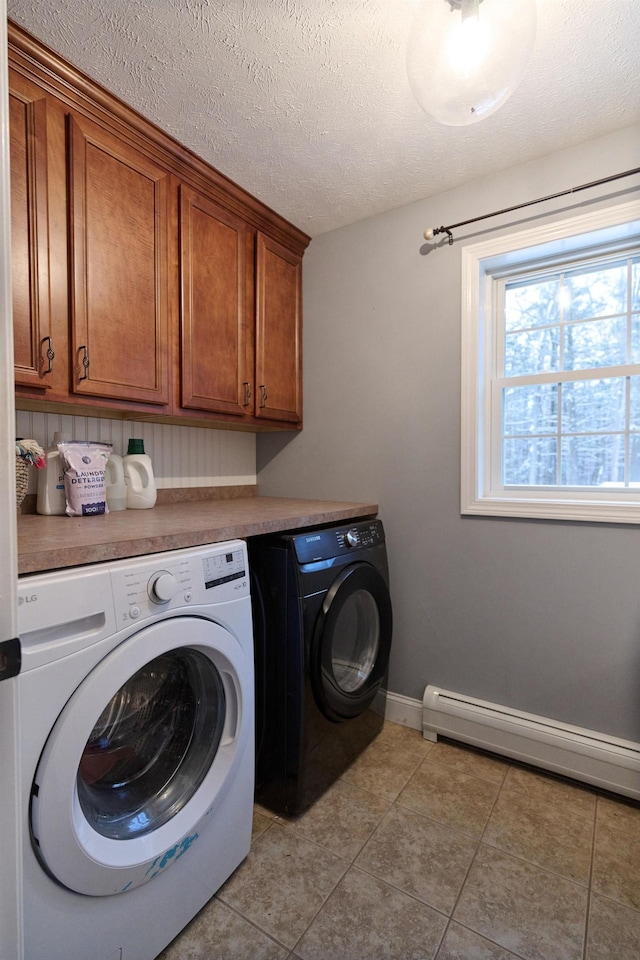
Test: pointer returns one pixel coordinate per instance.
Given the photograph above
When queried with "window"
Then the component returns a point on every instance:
(551, 370)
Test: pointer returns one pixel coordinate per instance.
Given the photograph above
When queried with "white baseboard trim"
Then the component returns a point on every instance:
(399, 709)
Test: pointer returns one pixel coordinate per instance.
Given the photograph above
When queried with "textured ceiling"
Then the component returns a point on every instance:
(306, 103)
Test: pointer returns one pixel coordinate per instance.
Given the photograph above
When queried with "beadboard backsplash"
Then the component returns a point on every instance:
(181, 456)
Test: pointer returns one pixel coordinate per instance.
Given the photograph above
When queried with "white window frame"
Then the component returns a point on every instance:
(482, 265)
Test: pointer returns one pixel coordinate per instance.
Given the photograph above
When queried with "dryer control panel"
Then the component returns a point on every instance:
(335, 541)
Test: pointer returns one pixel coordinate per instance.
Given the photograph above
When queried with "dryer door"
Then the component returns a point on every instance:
(139, 756)
(351, 642)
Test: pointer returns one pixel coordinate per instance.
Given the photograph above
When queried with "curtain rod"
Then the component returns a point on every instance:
(432, 232)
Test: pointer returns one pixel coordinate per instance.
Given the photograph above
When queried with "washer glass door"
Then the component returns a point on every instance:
(152, 745)
(141, 754)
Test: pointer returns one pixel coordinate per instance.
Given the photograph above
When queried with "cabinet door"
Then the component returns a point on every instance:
(278, 332)
(120, 271)
(33, 351)
(215, 293)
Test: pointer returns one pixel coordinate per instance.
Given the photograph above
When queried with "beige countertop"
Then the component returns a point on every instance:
(49, 543)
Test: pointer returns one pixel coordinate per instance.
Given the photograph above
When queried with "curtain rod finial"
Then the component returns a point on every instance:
(432, 232)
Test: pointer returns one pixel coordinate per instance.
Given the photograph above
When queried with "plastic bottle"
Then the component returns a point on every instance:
(50, 496)
(138, 476)
(116, 486)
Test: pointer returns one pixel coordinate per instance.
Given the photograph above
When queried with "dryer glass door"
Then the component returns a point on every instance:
(352, 642)
(152, 745)
(355, 641)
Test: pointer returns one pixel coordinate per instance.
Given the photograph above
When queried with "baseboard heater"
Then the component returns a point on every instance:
(594, 758)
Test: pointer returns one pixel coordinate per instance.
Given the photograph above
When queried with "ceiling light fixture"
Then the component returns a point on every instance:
(466, 57)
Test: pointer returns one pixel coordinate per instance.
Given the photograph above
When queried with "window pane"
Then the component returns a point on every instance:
(531, 304)
(596, 292)
(531, 351)
(635, 285)
(551, 424)
(599, 343)
(634, 466)
(530, 409)
(593, 405)
(635, 340)
(592, 461)
(530, 461)
(634, 403)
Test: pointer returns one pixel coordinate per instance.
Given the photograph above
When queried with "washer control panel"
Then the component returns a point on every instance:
(222, 568)
(179, 579)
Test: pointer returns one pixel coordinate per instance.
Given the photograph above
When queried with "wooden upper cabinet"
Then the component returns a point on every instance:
(143, 279)
(33, 349)
(119, 221)
(216, 271)
(278, 332)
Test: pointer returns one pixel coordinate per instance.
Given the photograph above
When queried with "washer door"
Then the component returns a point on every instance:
(351, 642)
(139, 755)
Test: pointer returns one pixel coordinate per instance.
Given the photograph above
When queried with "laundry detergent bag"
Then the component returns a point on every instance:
(85, 485)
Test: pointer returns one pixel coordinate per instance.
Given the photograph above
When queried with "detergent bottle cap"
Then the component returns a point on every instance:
(135, 446)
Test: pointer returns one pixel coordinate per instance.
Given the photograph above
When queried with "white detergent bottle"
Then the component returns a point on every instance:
(116, 487)
(50, 496)
(138, 476)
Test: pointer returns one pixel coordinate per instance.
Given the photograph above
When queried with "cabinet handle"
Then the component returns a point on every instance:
(85, 363)
(247, 393)
(263, 398)
(49, 354)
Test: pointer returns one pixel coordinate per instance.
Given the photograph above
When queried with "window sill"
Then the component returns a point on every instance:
(605, 511)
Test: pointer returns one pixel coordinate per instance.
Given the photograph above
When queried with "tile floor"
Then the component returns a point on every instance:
(426, 851)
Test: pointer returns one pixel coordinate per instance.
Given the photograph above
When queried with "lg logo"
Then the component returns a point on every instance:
(32, 599)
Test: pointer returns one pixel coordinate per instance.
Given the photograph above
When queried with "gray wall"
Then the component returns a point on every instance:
(539, 615)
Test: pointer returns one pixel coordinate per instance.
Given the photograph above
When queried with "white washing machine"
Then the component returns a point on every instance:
(136, 727)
